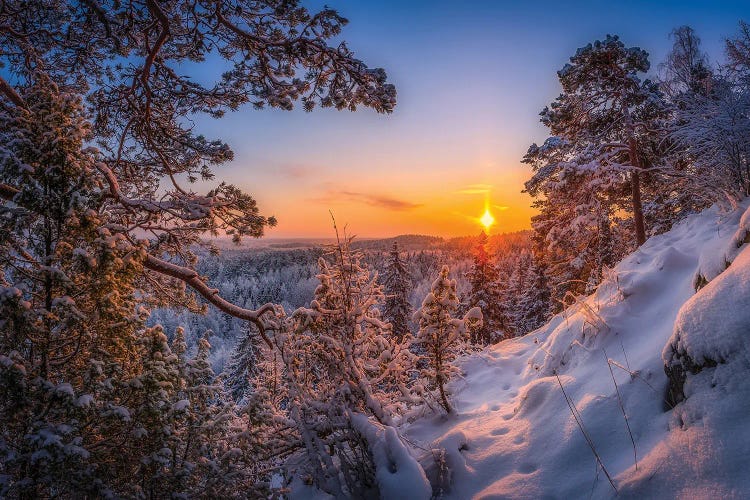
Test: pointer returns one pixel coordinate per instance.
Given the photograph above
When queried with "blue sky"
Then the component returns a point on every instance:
(471, 79)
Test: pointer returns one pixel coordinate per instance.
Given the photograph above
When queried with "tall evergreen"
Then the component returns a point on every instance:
(397, 285)
(244, 365)
(606, 140)
(442, 336)
(535, 304)
(485, 294)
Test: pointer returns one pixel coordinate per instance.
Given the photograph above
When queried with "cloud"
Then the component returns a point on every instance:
(476, 189)
(295, 171)
(500, 207)
(374, 200)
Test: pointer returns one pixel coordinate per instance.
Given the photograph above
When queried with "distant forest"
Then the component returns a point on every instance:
(285, 273)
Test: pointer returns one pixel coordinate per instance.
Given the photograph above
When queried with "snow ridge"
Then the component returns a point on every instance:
(513, 434)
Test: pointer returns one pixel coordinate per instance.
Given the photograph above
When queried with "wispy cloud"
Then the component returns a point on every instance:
(375, 200)
(295, 171)
(500, 207)
(475, 189)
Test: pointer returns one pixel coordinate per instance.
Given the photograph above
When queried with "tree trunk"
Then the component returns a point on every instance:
(635, 184)
(443, 396)
(640, 227)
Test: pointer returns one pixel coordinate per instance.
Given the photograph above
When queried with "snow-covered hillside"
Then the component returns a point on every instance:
(515, 435)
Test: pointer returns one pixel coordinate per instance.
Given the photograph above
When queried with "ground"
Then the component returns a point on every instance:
(514, 434)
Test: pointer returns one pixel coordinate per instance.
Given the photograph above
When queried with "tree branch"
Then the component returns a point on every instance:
(11, 94)
(191, 278)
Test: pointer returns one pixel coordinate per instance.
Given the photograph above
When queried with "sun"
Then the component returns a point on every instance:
(487, 219)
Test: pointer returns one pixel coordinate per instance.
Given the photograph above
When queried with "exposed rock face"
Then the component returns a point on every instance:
(712, 328)
(677, 372)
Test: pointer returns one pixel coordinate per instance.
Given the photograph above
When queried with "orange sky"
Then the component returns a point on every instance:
(383, 207)
(386, 175)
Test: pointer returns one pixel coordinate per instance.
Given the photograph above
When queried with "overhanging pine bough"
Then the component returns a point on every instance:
(122, 57)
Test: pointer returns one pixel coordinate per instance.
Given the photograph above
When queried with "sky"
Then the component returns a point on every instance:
(471, 78)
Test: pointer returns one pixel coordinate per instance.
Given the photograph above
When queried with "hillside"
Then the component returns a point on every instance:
(515, 436)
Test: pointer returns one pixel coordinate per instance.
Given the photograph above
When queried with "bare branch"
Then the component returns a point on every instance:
(194, 281)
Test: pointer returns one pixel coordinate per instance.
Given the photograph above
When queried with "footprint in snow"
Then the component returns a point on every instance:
(500, 431)
(527, 468)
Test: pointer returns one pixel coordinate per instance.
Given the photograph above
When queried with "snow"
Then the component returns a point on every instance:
(513, 434)
(397, 472)
(85, 400)
(65, 388)
(181, 405)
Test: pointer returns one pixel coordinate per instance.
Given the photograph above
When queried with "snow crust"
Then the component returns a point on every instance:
(398, 474)
(514, 434)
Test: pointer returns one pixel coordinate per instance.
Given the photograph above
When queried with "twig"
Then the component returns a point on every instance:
(627, 363)
(622, 408)
(638, 376)
(589, 441)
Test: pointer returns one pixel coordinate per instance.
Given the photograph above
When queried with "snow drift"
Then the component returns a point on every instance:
(530, 410)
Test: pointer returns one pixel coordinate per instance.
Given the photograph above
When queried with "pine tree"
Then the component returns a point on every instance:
(341, 362)
(598, 164)
(442, 337)
(243, 366)
(485, 294)
(535, 304)
(397, 285)
(141, 111)
(605, 111)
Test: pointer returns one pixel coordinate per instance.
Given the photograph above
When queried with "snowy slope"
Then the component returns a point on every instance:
(514, 435)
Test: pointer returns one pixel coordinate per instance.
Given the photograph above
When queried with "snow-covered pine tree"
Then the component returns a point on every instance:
(535, 305)
(341, 363)
(599, 163)
(442, 337)
(485, 294)
(607, 113)
(397, 285)
(141, 110)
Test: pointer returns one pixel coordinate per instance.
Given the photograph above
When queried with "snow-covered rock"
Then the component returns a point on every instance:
(523, 406)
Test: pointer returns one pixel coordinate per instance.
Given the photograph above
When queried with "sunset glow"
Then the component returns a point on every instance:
(421, 169)
(487, 219)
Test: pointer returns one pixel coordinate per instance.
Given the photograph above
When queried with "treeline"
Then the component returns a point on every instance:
(253, 277)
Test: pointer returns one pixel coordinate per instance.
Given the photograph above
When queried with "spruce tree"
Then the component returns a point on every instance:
(535, 305)
(485, 294)
(397, 285)
(94, 403)
(442, 337)
(243, 366)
